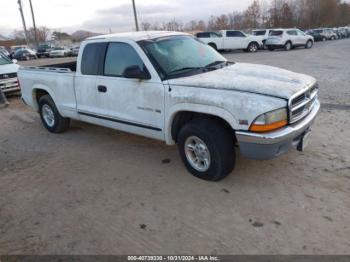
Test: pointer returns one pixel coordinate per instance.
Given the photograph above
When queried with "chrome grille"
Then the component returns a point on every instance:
(301, 104)
(9, 84)
(7, 76)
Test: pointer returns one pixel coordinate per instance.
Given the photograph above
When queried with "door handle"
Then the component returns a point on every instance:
(102, 89)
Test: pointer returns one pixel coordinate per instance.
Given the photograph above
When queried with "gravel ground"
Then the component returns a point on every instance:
(94, 190)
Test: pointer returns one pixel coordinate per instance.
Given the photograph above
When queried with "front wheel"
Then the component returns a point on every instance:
(206, 149)
(253, 47)
(50, 117)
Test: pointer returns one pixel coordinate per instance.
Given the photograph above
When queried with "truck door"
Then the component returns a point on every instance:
(235, 40)
(85, 80)
(133, 105)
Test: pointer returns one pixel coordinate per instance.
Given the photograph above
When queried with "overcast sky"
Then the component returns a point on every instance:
(102, 15)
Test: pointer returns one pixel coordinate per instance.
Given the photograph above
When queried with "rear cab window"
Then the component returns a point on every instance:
(203, 35)
(93, 58)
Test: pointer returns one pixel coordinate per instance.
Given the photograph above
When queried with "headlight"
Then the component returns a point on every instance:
(270, 121)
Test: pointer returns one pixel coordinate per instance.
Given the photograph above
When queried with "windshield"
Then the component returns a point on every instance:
(4, 60)
(259, 33)
(176, 55)
(318, 31)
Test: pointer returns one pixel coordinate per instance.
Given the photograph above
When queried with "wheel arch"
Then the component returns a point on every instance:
(213, 45)
(182, 115)
(37, 92)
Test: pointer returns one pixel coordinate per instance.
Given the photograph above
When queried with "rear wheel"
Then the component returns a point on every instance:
(206, 149)
(288, 46)
(324, 39)
(50, 117)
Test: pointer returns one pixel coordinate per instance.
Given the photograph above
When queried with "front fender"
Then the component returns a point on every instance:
(196, 108)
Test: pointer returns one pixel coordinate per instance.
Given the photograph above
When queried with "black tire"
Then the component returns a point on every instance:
(60, 124)
(213, 46)
(220, 145)
(309, 44)
(264, 47)
(288, 46)
(253, 47)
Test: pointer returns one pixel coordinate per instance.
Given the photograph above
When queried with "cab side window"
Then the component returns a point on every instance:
(292, 32)
(92, 58)
(120, 56)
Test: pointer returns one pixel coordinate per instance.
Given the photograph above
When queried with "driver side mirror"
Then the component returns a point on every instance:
(136, 72)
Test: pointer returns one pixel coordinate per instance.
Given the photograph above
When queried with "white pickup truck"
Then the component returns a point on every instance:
(231, 40)
(171, 87)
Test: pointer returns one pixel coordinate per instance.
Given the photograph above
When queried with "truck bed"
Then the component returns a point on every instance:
(57, 80)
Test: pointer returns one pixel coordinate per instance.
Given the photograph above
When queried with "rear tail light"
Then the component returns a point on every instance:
(19, 84)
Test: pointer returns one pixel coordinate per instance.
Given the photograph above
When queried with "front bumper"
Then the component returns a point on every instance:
(271, 145)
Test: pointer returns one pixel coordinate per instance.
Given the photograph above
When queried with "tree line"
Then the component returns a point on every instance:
(304, 14)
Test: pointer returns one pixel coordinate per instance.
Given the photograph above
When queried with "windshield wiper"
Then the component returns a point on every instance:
(215, 63)
(184, 69)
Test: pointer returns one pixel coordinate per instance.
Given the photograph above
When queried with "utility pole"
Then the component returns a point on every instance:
(135, 15)
(34, 25)
(23, 21)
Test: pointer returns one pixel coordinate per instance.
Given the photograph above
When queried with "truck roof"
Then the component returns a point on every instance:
(137, 36)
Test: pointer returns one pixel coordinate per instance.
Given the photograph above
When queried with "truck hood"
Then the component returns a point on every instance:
(8, 69)
(252, 78)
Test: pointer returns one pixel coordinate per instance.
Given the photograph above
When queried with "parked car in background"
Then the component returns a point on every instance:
(59, 52)
(332, 35)
(288, 39)
(171, 87)
(44, 50)
(338, 33)
(25, 54)
(231, 40)
(8, 74)
(345, 31)
(75, 51)
(318, 34)
(263, 34)
(4, 51)
(17, 47)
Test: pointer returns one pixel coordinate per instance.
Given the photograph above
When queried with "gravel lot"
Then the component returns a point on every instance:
(94, 190)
